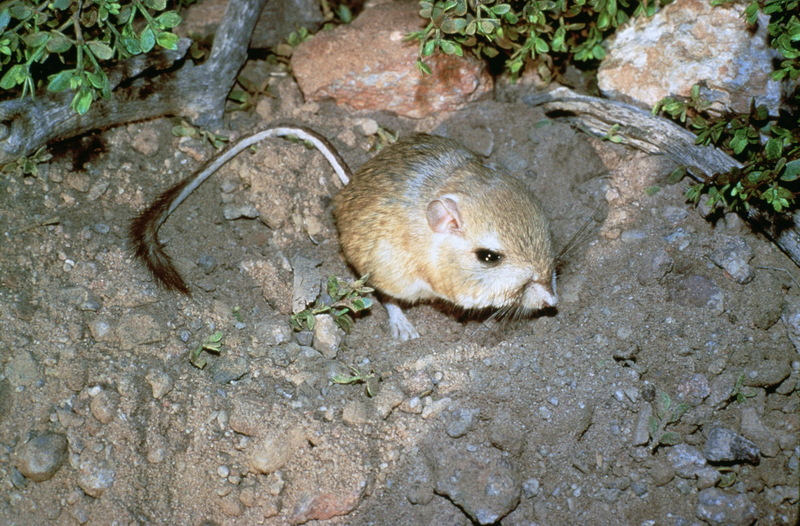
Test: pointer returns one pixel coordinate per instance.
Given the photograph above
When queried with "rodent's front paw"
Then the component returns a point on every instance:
(401, 328)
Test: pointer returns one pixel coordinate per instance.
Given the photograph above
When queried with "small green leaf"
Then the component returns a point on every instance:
(773, 149)
(37, 39)
(21, 11)
(58, 43)
(98, 79)
(158, 5)
(167, 40)
(131, 45)
(344, 14)
(791, 171)
(453, 25)
(5, 18)
(677, 175)
(670, 438)
(147, 40)
(15, 75)
(677, 412)
(169, 19)
(100, 50)
(663, 405)
(60, 81)
(652, 426)
(82, 101)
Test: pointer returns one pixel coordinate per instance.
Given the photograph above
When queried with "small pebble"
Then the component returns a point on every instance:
(41, 457)
(719, 508)
(723, 445)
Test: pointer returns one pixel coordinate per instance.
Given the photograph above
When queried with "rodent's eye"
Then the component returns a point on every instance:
(488, 257)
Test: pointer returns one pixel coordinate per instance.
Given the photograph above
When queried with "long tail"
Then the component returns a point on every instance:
(143, 231)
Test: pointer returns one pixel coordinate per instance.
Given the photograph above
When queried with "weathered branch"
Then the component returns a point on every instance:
(144, 87)
(657, 135)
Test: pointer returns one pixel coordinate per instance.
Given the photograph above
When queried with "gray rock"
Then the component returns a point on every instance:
(420, 483)
(661, 472)
(507, 434)
(461, 421)
(723, 445)
(95, 478)
(482, 483)
(733, 255)
(229, 369)
(40, 458)
(305, 282)
(389, 397)
(721, 390)
(658, 266)
(247, 416)
(136, 328)
(272, 330)
(273, 452)
(766, 373)
(208, 263)
(160, 382)
(104, 406)
(764, 438)
(791, 319)
(655, 57)
(531, 487)
(707, 477)
(719, 508)
(641, 432)
(693, 390)
(696, 291)
(22, 369)
(237, 211)
(327, 336)
(686, 460)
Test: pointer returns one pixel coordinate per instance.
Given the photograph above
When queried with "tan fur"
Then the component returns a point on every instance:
(384, 231)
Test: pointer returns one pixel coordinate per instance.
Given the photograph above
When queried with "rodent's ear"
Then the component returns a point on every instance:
(444, 217)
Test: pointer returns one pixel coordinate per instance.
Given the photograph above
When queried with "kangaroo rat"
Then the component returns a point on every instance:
(426, 218)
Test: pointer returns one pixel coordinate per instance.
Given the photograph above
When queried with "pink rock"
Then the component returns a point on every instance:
(369, 65)
(687, 42)
(323, 506)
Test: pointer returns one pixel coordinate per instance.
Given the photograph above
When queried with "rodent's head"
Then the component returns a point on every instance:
(492, 248)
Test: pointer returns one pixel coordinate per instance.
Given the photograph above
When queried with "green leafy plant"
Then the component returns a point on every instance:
(727, 477)
(63, 44)
(783, 29)
(546, 34)
(185, 129)
(370, 380)
(739, 392)
(28, 165)
(768, 148)
(344, 298)
(211, 344)
(665, 413)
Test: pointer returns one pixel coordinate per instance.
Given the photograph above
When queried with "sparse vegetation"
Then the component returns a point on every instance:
(541, 34)
(211, 344)
(343, 299)
(66, 44)
(768, 148)
(665, 413)
(369, 380)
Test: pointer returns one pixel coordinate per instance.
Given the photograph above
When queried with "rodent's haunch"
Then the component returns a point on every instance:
(425, 218)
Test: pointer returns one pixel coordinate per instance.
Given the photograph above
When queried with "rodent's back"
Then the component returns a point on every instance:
(384, 217)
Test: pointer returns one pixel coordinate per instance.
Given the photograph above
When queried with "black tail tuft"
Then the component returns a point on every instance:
(143, 236)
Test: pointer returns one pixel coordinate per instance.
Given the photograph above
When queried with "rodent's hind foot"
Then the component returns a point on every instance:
(401, 328)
